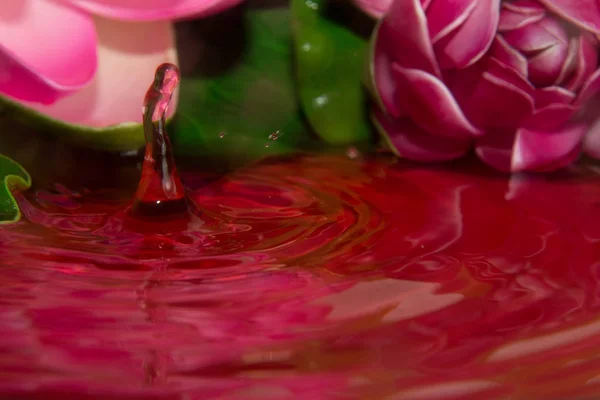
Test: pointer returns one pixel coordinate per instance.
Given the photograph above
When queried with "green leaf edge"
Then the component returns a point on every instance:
(13, 182)
(369, 69)
(114, 138)
(386, 142)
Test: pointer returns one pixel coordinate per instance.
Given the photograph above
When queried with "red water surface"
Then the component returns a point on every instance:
(314, 277)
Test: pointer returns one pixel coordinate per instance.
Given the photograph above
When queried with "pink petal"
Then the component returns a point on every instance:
(46, 50)
(467, 44)
(552, 95)
(586, 62)
(404, 33)
(570, 62)
(127, 56)
(545, 67)
(550, 117)
(589, 89)
(430, 104)
(152, 10)
(583, 13)
(499, 97)
(509, 56)
(536, 150)
(410, 141)
(381, 75)
(526, 7)
(536, 37)
(375, 8)
(495, 149)
(511, 19)
(443, 17)
(591, 143)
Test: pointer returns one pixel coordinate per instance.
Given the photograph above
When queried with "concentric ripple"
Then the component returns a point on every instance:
(314, 277)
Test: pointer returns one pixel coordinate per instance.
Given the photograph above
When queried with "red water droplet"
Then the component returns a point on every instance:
(160, 190)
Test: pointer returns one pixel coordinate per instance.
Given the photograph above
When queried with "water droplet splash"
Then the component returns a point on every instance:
(160, 190)
(352, 153)
(274, 136)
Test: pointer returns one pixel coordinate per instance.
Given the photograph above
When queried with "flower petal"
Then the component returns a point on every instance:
(591, 143)
(430, 104)
(546, 66)
(583, 13)
(589, 89)
(570, 62)
(404, 33)
(127, 56)
(536, 150)
(467, 44)
(152, 10)
(511, 19)
(550, 117)
(381, 74)
(408, 140)
(46, 50)
(586, 62)
(443, 17)
(509, 56)
(536, 37)
(525, 7)
(375, 8)
(495, 149)
(551, 95)
(499, 97)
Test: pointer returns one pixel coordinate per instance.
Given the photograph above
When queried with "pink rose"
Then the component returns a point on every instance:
(89, 61)
(510, 78)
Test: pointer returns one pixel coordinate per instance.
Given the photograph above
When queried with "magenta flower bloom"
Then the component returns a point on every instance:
(510, 78)
(88, 61)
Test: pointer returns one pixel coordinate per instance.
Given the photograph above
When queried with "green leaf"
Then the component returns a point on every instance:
(12, 177)
(330, 66)
(236, 114)
(122, 137)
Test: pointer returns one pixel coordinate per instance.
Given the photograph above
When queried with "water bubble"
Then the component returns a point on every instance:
(130, 153)
(352, 153)
(275, 135)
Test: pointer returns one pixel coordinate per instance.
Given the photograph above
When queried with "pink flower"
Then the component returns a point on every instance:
(510, 78)
(88, 61)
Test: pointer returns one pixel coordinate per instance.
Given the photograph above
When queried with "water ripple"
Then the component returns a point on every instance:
(317, 277)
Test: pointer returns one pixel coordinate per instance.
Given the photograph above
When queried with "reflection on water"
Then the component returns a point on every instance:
(319, 277)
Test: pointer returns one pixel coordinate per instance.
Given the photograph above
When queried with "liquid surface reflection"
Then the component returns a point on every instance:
(317, 277)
